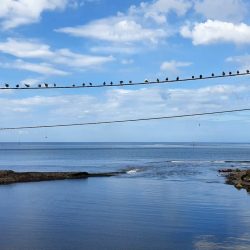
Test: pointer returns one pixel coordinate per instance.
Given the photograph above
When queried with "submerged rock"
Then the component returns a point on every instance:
(239, 178)
(9, 176)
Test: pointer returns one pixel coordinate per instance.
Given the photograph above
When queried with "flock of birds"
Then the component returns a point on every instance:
(46, 85)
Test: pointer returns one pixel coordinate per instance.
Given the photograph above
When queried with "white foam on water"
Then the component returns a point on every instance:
(132, 171)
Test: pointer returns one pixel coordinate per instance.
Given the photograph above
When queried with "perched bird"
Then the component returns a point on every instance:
(121, 82)
(83, 84)
(238, 71)
(158, 80)
(46, 85)
(39, 85)
(104, 83)
(146, 81)
(54, 85)
(212, 75)
(90, 84)
(130, 82)
(223, 73)
(192, 77)
(111, 83)
(247, 71)
(230, 73)
(201, 76)
(6, 85)
(73, 85)
(27, 85)
(17, 86)
(166, 79)
(177, 78)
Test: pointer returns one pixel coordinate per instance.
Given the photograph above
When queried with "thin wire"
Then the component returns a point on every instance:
(51, 87)
(128, 120)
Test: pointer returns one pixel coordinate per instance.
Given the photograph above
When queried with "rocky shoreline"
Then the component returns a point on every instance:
(239, 178)
(9, 176)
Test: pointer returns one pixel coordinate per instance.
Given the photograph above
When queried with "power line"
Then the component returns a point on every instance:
(127, 120)
(46, 86)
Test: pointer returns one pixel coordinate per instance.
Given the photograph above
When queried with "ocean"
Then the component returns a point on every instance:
(171, 197)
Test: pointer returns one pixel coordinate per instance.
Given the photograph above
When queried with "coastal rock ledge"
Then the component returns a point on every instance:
(9, 176)
(239, 178)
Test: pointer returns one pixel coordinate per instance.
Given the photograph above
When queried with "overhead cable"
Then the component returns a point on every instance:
(54, 86)
(127, 120)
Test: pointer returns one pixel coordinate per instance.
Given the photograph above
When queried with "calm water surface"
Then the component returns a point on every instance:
(170, 198)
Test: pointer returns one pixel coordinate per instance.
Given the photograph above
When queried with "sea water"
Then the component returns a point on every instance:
(171, 197)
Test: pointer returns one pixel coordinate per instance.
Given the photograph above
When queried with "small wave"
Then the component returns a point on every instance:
(219, 162)
(132, 171)
(239, 162)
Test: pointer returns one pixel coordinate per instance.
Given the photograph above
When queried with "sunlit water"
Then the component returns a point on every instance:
(171, 197)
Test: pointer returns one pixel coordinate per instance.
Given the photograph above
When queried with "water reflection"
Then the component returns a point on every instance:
(210, 242)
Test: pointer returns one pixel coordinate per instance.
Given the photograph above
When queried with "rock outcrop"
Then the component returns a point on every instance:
(9, 176)
(239, 178)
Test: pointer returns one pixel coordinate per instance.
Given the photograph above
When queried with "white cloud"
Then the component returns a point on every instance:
(158, 10)
(127, 61)
(223, 10)
(79, 3)
(66, 57)
(121, 103)
(243, 61)
(116, 49)
(32, 49)
(41, 68)
(143, 25)
(217, 32)
(173, 66)
(25, 48)
(133, 26)
(14, 13)
(119, 29)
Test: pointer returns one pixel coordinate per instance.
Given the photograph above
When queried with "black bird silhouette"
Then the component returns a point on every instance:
(192, 77)
(83, 84)
(46, 85)
(39, 85)
(201, 76)
(6, 85)
(238, 71)
(223, 73)
(104, 83)
(230, 73)
(146, 81)
(212, 75)
(73, 85)
(247, 71)
(166, 79)
(54, 85)
(17, 86)
(158, 80)
(90, 84)
(111, 83)
(27, 85)
(121, 82)
(130, 82)
(177, 78)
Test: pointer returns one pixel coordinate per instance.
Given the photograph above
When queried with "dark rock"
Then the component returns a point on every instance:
(239, 178)
(9, 176)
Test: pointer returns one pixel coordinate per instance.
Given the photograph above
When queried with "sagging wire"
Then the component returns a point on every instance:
(127, 120)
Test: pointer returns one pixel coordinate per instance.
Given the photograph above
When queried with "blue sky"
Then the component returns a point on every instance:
(73, 41)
